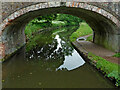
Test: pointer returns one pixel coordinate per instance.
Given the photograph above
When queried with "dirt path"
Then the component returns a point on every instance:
(87, 46)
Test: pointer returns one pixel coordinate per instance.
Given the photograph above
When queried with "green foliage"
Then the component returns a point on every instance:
(31, 28)
(108, 68)
(69, 19)
(83, 30)
(56, 23)
(46, 19)
(52, 20)
(90, 38)
(38, 40)
(117, 55)
(116, 75)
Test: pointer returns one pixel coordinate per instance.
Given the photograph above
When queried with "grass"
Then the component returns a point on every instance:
(83, 30)
(117, 55)
(90, 38)
(108, 68)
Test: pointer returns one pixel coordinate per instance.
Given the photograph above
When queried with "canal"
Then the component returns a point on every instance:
(49, 60)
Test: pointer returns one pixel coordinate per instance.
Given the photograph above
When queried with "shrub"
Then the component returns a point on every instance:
(117, 55)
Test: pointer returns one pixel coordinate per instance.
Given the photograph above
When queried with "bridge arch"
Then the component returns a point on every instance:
(106, 26)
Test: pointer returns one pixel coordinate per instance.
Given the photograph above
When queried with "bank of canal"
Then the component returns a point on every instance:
(50, 61)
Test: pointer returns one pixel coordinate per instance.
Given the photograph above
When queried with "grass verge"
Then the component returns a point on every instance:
(83, 30)
(117, 55)
(109, 69)
(90, 38)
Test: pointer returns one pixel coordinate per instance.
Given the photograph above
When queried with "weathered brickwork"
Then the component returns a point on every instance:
(2, 50)
(54, 4)
(102, 17)
(57, 4)
(11, 7)
(112, 7)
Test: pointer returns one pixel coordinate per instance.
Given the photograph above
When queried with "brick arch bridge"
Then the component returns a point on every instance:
(103, 18)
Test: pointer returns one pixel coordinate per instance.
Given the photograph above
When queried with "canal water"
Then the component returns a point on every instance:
(49, 61)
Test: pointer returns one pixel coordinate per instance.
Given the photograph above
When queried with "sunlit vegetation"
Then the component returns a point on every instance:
(90, 38)
(69, 20)
(52, 20)
(45, 20)
(117, 55)
(83, 30)
(107, 68)
(58, 23)
(40, 38)
(31, 28)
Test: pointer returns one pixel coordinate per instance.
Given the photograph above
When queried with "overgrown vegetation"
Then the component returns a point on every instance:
(37, 40)
(83, 30)
(117, 55)
(69, 19)
(31, 28)
(52, 20)
(108, 68)
(45, 20)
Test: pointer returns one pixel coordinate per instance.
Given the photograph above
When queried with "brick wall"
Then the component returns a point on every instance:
(10, 7)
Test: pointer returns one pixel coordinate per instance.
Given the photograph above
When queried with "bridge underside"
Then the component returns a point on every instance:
(106, 33)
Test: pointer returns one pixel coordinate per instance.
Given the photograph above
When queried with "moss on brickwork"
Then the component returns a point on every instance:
(103, 42)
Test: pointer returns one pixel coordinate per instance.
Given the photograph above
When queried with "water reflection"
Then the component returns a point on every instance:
(59, 42)
(71, 61)
(57, 48)
(45, 63)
